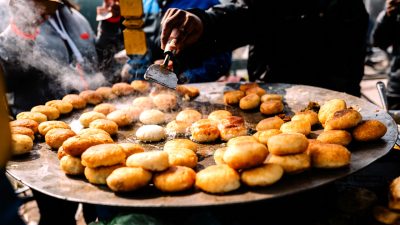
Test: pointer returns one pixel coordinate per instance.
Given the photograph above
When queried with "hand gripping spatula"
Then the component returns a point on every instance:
(160, 73)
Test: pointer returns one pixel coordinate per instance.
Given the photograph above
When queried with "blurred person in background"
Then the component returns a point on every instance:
(318, 43)
(49, 50)
(387, 33)
(195, 69)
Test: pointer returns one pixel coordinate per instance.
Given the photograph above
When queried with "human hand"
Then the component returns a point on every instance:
(109, 9)
(185, 27)
(392, 7)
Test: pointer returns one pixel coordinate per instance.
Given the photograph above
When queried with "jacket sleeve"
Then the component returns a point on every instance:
(385, 31)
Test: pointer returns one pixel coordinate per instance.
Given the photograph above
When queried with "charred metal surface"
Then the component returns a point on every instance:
(40, 168)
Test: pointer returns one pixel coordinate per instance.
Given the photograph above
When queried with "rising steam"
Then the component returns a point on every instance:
(44, 59)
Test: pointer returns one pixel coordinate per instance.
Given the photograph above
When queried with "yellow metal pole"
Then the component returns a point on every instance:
(5, 136)
(134, 36)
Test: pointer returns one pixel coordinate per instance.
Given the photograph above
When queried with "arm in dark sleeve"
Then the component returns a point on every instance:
(384, 33)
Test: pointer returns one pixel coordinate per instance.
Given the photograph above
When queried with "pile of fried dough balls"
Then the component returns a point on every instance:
(277, 148)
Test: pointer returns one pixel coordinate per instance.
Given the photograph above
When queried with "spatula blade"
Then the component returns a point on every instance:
(161, 75)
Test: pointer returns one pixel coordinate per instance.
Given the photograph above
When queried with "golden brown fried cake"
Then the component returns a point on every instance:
(36, 116)
(292, 164)
(103, 155)
(218, 179)
(176, 178)
(106, 92)
(56, 137)
(23, 130)
(109, 126)
(28, 123)
(329, 156)
(245, 155)
(50, 112)
(308, 115)
(63, 107)
(296, 126)
(91, 97)
(249, 102)
(233, 97)
(232, 127)
(76, 101)
(204, 130)
(71, 165)
(369, 130)
(271, 107)
(270, 123)
(104, 108)
(152, 116)
(122, 89)
(99, 175)
(329, 108)
(181, 143)
(182, 157)
(48, 125)
(263, 175)
(343, 119)
(264, 135)
(287, 144)
(86, 118)
(340, 137)
(131, 148)
(126, 179)
(21, 144)
(188, 115)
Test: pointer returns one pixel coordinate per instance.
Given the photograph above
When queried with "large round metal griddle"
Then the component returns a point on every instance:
(40, 169)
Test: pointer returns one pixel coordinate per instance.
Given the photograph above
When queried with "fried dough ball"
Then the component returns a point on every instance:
(121, 117)
(91, 97)
(204, 130)
(176, 178)
(181, 143)
(165, 101)
(247, 86)
(269, 97)
(76, 145)
(329, 108)
(21, 144)
(233, 97)
(48, 125)
(152, 116)
(141, 86)
(131, 148)
(263, 175)
(188, 115)
(56, 137)
(369, 130)
(126, 179)
(182, 157)
(218, 115)
(23, 130)
(99, 175)
(219, 156)
(296, 126)
(153, 160)
(104, 108)
(92, 131)
(329, 156)
(241, 139)
(343, 119)
(108, 126)
(218, 179)
(250, 101)
(143, 102)
(76, 101)
(187, 91)
(245, 155)
(86, 118)
(28, 123)
(36, 116)
(50, 112)
(308, 115)
(287, 144)
(264, 135)
(103, 155)
(63, 107)
(292, 164)
(61, 153)
(270, 123)
(71, 165)
(150, 133)
(256, 90)
(271, 107)
(106, 92)
(232, 127)
(122, 89)
(177, 128)
(340, 137)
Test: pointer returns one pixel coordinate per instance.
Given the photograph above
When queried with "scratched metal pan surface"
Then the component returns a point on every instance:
(40, 168)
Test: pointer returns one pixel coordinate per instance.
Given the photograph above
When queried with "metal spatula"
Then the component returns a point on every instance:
(160, 73)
